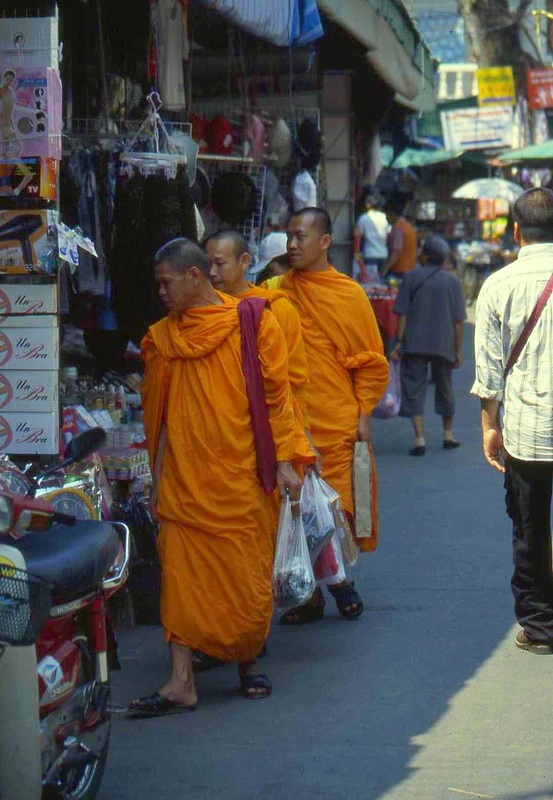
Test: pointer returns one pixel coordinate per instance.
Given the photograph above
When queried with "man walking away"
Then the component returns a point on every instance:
(370, 236)
(431, 312)
(402, 242)
(514, 352)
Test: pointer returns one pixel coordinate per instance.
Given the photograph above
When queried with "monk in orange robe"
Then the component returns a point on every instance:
(215, 543)
(230, 259)
(348, 374)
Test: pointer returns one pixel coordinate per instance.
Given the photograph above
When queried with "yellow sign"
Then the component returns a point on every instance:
(496, 86)
(5, 572)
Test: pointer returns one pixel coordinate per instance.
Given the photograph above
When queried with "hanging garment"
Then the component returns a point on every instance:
(149, 212)
(173, 49)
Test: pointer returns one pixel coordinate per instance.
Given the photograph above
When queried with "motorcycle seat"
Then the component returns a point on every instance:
(71, 559)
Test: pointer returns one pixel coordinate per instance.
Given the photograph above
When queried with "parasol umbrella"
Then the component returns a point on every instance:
(489, 189)
(533, 154)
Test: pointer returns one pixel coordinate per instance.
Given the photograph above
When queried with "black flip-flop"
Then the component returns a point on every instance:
(156, 705)
(249, 682)
(347, 597)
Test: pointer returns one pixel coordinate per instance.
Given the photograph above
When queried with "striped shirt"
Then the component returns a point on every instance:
(504, 305)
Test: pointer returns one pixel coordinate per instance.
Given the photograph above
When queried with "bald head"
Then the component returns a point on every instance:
(234, 238)
(182, 254)
(182, 274)
(229, 259)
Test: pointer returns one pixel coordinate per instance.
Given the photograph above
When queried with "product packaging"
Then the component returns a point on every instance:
(29, 433)
(29, 390)
(30, 111)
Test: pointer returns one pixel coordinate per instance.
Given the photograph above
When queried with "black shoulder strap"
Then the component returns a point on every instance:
(421, 283)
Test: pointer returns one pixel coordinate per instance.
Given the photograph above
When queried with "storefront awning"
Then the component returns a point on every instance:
(395, 47)
(282, 22)
(424, 158)
(535, 153)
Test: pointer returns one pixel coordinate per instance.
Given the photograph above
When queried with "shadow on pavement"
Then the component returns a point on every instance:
(351, 699)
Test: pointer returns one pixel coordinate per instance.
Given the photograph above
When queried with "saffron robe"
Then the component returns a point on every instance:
(215, 544)
(348, 372)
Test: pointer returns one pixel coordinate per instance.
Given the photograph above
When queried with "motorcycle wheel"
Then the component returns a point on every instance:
(82, 783)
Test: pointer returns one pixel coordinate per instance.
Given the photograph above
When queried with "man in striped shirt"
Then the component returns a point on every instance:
(519, 443)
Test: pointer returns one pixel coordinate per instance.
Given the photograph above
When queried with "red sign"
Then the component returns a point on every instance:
(540, 88)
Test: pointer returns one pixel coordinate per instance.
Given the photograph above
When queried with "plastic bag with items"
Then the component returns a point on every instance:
(348, 545)
(329, 567)
(293, 579)
(390, 402)
(316, 513)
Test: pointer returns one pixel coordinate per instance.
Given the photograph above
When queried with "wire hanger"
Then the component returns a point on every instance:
(158, 128)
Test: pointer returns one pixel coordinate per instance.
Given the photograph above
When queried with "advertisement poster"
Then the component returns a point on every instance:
(477, 128)
(540, 88)
(496, 86)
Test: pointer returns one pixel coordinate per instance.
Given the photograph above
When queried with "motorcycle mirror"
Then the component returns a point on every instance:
(84, 444)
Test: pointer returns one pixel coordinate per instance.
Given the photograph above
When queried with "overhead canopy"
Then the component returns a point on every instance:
(395, 47)
(282, 22)
(535, 153)
(424, 158)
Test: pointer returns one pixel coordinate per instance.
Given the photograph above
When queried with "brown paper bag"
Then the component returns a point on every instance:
(362, 490)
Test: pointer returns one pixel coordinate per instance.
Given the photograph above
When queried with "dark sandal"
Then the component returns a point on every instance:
(308, 612)
(348, 600)
(201, 662)
(255, 687)
(156, 705)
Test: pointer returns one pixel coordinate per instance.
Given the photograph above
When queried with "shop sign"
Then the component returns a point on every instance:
(477, 128)
(496, 86)
(540, 88)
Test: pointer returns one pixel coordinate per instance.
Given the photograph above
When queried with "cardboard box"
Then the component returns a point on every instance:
(30, 40)
(31, 390)
(29, 321)
(29, 348)
(29, 434)
(28, 177)
(23, 239)
(28, 298)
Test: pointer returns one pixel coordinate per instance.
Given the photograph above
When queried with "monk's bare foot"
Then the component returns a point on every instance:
(180, 693)
(253, 684)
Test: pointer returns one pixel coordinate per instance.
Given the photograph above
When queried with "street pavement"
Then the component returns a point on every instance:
(424, 698)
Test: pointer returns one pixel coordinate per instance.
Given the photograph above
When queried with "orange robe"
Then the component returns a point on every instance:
(348, 372)
(215, 545)
(290, 323)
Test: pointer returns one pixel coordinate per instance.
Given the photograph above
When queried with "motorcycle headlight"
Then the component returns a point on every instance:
(6, 513)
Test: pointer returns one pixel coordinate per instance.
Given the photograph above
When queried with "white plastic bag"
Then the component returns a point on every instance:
(293, 578)
(316, 514)
(390, 401)
(350, 551)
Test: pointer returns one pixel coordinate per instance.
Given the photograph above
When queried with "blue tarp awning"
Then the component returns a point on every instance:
(282, 22)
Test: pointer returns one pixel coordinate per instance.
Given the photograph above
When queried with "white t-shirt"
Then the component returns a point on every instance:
(374, 230)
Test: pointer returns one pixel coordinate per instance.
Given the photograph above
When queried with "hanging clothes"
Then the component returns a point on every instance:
(149, 211)
(173, 48)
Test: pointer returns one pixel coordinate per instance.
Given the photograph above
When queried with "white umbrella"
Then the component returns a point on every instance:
(490, 189)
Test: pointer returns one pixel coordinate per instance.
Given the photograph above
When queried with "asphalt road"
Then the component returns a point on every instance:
(424, 698)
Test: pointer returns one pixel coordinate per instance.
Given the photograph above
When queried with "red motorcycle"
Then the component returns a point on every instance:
(56, 575)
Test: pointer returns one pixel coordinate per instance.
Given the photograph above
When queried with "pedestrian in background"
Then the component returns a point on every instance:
(402, 241)
(370, 239)
(514, 357)
(431, 311)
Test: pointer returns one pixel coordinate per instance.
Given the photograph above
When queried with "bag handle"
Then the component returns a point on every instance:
(529, 327)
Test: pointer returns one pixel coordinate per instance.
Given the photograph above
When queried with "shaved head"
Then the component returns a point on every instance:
(318, 216)
(239, 244)
(180, 255)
